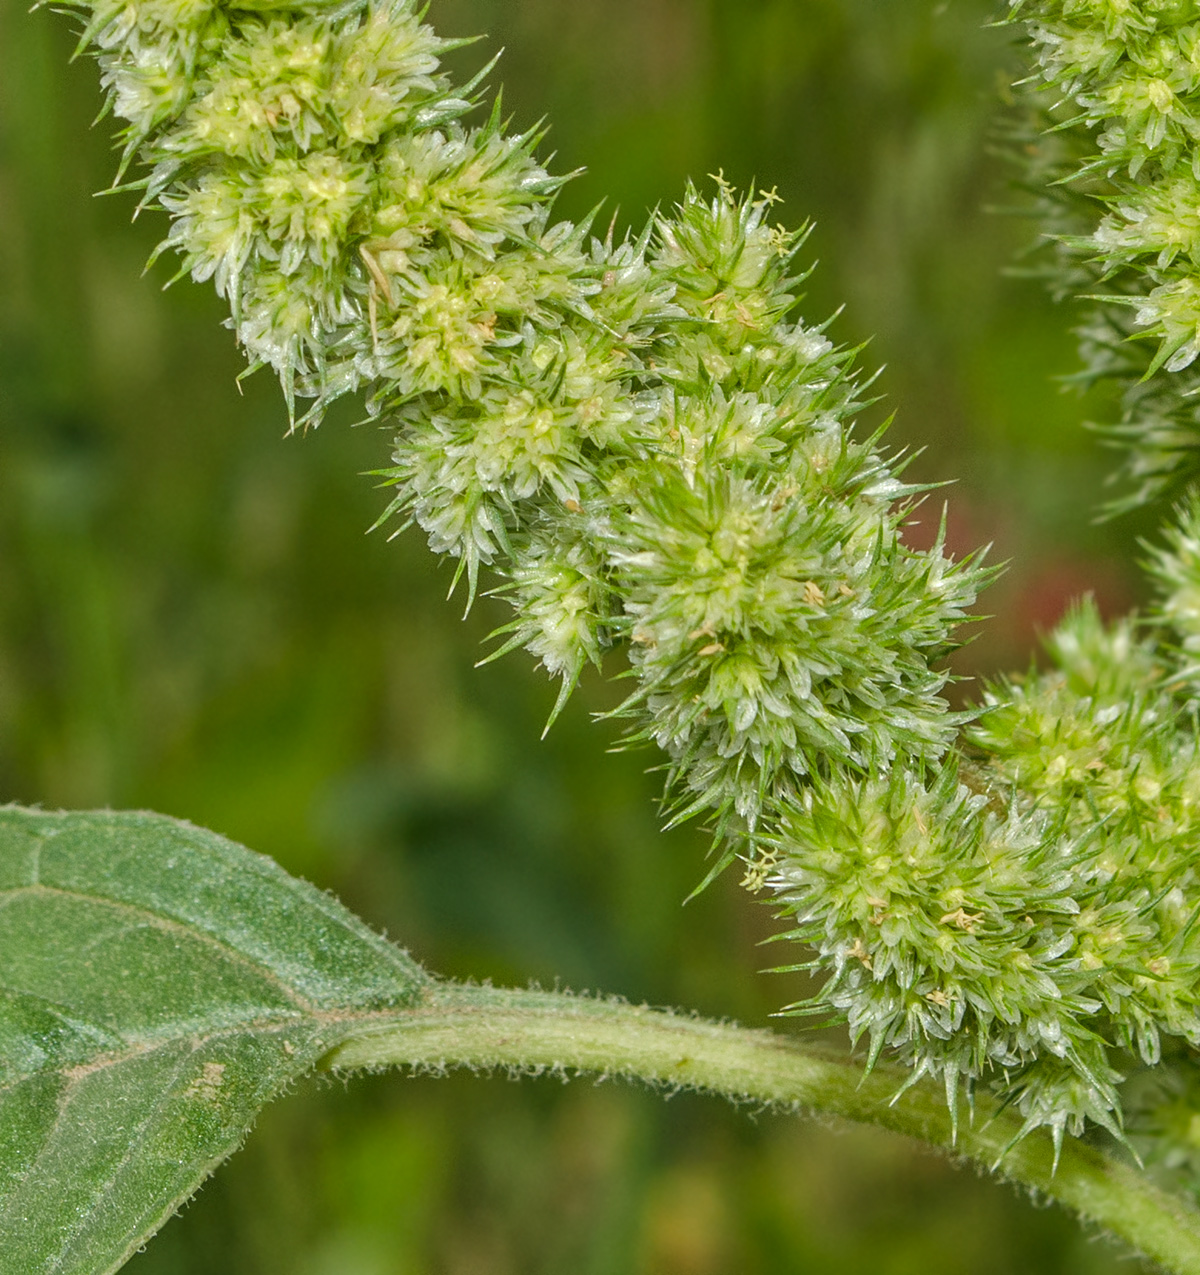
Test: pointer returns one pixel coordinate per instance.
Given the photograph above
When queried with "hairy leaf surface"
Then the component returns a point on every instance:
(158, 985)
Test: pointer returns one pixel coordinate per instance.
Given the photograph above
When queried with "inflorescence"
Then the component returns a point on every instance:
(650, 450)
(1119, 174)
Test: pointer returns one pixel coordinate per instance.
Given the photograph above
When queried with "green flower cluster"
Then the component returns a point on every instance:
(638, 436)
(650, 450)
(1032, 915)
(1100, 754)
(1127, 145)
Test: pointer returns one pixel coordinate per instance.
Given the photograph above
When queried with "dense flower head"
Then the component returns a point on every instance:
(1127, 139)
(1031, 913)
(653, 452)
(639, 435)
(1107, 743)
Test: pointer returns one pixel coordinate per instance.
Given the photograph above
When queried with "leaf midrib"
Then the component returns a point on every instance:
(139, 1046)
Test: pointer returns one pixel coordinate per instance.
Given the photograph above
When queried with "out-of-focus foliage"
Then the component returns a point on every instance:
(191, 619)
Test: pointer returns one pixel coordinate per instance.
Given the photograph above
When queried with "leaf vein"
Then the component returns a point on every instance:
(192, 929)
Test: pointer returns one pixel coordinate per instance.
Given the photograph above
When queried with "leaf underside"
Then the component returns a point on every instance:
(158, 985)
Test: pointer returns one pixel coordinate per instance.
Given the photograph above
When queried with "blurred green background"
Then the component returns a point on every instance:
(193, 620)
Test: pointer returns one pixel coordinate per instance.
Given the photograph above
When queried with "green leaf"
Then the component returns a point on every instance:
(158, 985)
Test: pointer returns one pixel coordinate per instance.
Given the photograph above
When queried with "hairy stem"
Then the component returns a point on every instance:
(458, 1026)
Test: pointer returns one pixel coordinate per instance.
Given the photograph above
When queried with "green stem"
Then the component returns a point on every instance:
(457, 1026)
